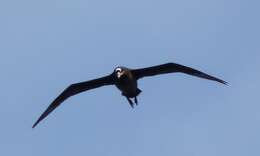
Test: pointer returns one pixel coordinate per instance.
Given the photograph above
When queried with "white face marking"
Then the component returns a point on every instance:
(118, 72)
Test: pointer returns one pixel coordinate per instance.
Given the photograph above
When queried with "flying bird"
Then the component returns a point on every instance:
(125, 79)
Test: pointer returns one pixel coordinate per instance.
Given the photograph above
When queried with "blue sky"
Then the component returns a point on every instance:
(47, 45)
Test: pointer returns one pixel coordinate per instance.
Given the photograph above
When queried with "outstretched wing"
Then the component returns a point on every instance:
(172, 68)
(73, 90)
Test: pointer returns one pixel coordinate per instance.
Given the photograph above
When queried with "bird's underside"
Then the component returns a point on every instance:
(126, 81)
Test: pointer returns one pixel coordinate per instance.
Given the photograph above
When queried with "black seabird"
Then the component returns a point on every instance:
(125, 80)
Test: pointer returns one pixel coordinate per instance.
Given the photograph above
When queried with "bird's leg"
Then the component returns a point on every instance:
(136, 101)
(130, 102)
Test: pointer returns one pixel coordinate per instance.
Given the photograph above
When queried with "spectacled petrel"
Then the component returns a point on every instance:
(125, 80)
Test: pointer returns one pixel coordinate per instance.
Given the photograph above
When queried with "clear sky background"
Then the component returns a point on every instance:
(47, 45)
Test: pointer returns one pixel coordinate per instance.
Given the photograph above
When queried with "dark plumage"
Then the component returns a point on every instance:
(126, 81)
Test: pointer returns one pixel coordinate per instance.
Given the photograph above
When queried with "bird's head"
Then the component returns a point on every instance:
(119, 71)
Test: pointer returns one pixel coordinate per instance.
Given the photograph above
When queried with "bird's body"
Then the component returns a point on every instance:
(126, 83)
(125, 80)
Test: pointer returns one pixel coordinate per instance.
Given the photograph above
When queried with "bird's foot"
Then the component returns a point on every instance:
(136, 101)
(130, 102)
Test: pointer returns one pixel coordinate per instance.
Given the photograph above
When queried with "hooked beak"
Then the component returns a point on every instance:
(119, 74)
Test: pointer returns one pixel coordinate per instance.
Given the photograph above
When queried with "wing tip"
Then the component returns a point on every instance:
(39, 120)
(35, 124)
(223, 82)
